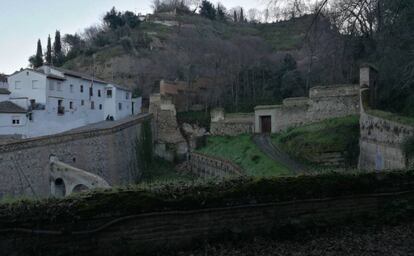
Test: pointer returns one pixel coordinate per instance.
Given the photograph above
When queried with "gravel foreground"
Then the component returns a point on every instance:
(395, 240)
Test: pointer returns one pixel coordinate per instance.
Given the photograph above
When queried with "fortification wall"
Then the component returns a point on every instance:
(381, 143)
(110, 153)
(231, 124)
(207, 166)
(323, 103)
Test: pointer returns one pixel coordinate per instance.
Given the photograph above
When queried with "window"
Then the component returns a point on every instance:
(35, 84)
(71, 105)
(18, 85)
(100, 106)
(15, 120)
(109, 93)
(59, 86)
(52, 85)
(99, 93)
(127, 96)
(90, 91)
(82, 102)
(92, 105)
(71, 88)
(81, 88)
(61, 108)
(120, 106)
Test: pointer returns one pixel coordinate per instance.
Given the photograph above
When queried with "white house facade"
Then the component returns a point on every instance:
(52, 100)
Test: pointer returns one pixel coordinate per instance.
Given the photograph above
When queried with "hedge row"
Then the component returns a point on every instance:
(135, 200)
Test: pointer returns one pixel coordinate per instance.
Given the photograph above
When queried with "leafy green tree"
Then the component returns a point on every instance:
(58, 56)
(37, 60)
(130, 19)
(207, 10)
(113, 19)
(49, 51)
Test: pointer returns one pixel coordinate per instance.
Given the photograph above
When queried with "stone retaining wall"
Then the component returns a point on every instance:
(231, 124)
(208, 166)
(110, 153)
(381, 143)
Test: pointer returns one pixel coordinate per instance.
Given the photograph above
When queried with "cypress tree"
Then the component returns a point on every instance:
(39, 54)
(241, 20)
(49, 51)
(57, 50)
(235, 16)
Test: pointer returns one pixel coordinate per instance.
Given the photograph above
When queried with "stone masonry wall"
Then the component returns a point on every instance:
(324, 102)
(380, 143)
(207, 166)
(231, 124)
(109, 153)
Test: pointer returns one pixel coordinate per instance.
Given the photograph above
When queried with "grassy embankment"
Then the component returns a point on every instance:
(333, 135)
(242, 151)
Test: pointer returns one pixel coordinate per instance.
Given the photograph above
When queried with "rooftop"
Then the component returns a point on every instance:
(11, 108)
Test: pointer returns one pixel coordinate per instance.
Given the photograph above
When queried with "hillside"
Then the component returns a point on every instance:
(243, 58)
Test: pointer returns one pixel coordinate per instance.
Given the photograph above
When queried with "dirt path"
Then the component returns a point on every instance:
(265, 144)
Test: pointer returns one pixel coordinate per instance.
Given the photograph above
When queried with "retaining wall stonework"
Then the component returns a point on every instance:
(110, 153)
(207, 166)
(381, 143)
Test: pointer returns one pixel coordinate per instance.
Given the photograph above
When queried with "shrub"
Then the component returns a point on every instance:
(408, 147)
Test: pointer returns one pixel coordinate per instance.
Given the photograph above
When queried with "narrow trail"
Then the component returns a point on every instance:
(265, 144)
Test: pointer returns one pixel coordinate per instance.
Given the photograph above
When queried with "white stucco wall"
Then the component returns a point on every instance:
(8, 128)
(77, 103)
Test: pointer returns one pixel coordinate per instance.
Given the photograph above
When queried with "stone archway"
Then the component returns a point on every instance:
(80, 188)
(60, 187)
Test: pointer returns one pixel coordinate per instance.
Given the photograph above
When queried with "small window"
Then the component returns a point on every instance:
(52, 85)
(92, 105)
(35, 84)
(59, 86)
(71, 105)
(120, 106)
(16, 121)
(100, 106)
(71, 88)
(82, 102)
(81, 88)
(90, 91)
(99, 93)
(109, 93)
(127, 96)
(61, 108)
(18, 85)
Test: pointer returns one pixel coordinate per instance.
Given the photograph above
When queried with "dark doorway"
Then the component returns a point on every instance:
(266, 124)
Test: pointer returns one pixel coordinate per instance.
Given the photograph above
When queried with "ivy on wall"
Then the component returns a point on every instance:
(144, 147)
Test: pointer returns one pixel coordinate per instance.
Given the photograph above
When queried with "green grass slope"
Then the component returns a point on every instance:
(333, 135)
(242, 151)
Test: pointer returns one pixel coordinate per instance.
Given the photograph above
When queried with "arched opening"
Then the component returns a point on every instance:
(60, 188)
(80, 188)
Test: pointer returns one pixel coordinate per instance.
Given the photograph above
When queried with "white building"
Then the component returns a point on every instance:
(52, 100)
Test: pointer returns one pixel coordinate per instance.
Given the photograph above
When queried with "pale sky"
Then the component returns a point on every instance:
(23, 22)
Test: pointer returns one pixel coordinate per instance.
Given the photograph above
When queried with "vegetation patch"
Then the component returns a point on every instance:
(242, 151)
(407, 120)
(163, 172)
(333, 135)
(200, 118)
(408, 147)
(151, 198)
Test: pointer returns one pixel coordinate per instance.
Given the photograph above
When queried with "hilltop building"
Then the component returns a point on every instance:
(52, 100)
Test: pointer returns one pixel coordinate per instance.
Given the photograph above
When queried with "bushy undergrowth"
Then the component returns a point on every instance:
(198, 195)
(200, 118)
